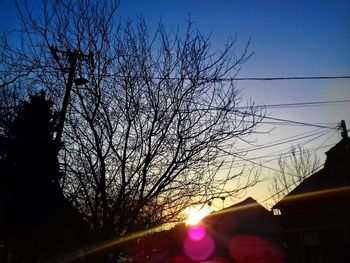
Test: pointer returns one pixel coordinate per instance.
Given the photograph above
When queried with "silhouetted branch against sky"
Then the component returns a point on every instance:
(294, 168)
(141, 142)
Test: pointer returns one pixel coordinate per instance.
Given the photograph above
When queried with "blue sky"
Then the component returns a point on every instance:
(295, 35)
(288, 38)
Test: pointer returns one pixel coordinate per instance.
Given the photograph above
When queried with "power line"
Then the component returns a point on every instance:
(287, 105)
(278, 153)
(258, 164)
(289, 78)
(249, 159)
(262, 116)
(218, 79)
(284, 120)
(293, 124)
(297, 181)
(233, 78)
(287, 154)
(297, 136)
(315, 135)
(302, 104)
(215, 79)
(273, 157)
(293, 183)
(283, 141)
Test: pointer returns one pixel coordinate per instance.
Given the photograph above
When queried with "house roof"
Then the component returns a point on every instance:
(247, 217)
(239, 208)
(334, 175)
(247, 202)
(316, 182)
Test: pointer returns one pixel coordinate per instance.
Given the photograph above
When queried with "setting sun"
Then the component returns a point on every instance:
(196, 215)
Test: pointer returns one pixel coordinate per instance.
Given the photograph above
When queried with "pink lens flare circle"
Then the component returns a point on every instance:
(196, 233)
(198, 250)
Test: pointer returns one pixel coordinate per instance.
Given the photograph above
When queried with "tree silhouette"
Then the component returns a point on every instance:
(34, 210)
(294, 167)
(29, 151)
(154, 130)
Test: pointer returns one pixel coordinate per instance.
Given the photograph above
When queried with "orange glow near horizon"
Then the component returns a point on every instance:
(195, 215)
(192, 214)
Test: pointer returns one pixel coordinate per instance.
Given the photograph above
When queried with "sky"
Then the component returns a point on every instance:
(288, 38)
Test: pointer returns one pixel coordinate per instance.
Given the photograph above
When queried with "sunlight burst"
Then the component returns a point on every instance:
(196, 215)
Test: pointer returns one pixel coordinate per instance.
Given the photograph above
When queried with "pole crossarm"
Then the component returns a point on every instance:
(73, 57)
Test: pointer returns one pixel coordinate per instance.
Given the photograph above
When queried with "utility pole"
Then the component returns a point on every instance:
(344, 132)
(72, 57)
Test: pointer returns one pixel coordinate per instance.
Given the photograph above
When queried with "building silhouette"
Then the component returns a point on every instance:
(315, 216)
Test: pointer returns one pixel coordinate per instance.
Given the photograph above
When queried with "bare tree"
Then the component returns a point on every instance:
(294, 167)
(12, 63)
(148, 135)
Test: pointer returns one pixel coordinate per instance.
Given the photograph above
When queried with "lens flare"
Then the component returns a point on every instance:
(198, 250)
(196, 233)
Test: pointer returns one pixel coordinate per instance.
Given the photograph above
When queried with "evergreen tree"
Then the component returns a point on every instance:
(29, 171)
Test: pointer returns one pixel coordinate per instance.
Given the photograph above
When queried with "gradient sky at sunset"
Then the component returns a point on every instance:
(288, 38)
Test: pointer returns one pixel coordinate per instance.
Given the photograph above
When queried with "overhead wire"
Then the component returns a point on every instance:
(230, 79)
(308, 141)
(276, 157)
(285, 120)
(245, 113)
(285, 154)
(286, 78)
(251, 160)
(315, 131)
(282, 141)
(288, 154)
(302, 104)
(301, 179)
(297, 124)
(236, 154)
